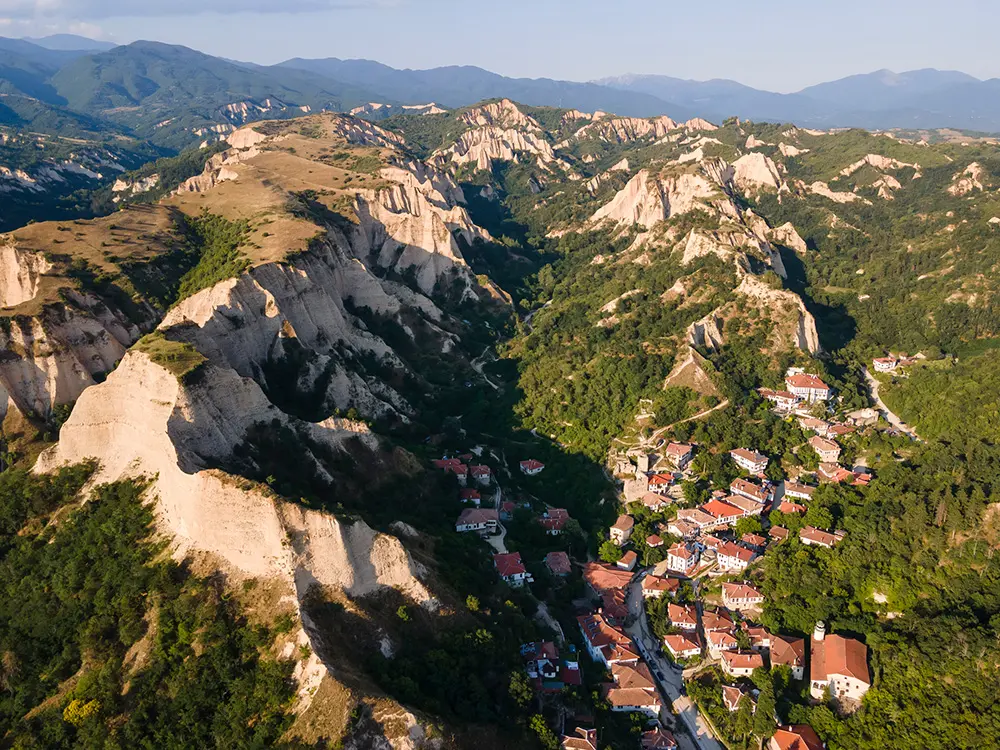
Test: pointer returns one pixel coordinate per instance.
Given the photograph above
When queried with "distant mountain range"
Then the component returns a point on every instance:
(172, 96)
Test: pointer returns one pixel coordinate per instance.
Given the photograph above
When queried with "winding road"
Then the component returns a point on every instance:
(889, 415)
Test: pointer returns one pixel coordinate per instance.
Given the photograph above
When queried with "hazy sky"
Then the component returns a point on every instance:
(775, 44)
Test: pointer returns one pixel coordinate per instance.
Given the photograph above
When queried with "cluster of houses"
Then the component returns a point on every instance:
(801, 389)
(632, 687)
(652, 739)
(463, 468)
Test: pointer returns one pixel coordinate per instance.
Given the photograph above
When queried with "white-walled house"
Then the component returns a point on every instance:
(839, 665)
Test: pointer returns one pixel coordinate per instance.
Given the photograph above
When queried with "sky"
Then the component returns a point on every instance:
(777, 45)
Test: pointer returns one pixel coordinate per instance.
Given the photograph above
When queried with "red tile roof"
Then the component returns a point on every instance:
(509, 564)
(796, 737)
(740, 591)
(658, 738)
(479, 471)
(662, 479)
(728, 549)
(532, 464)
(678, 449)
(656, 583)
(682, 614)
(818, 536)
(787, 650)
(624, 523)
(822, 444)
(716, 620)
(654, 540)
(836, 655)
(778, 532)
(805, 380)
(469, 494)
(789, 507)
(602, 577)
(580, 739)
(742, 659)
(720, 509)
(746, 455)
(677, 643)
(558, 563)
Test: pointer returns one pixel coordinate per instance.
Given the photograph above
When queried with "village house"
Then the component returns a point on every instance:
(657, 738)
(811, 536)
(507, 508)
(633, 689)
(682, 646)
(863, 417)
(683, 529)
(510, 568)
(783, 400)
(807, 387)
(750, 461)
(682, 558)
(719, 641)
(789, 652)
(752, 490)
(839, 665)
(733, 559)
(653, 587)
(548, 672)
(697, 517)
(723, 514)
(660, 483)
(827, 450)
(798, 491)
(778, 533)
(558, 564)
(481, 474)
(749, 506)
(811, 424)
(654, 502)
(622, 529)
(740, 596)
(839, 430)
(795, 737)
(602, 577)
(531, 467)
(683, 616)
(614, 606)
(470, 496)
(483, 520)
(580, 739)
(760, 638)
(834, 473)
(654, 541)
(732, 696)
(628, 560)
(553, 520)
(789, 508)
(754, 540)
(885, 364)
(456, 467)
(606, 643)
(679, 454)
(740, 663)
(716, 619)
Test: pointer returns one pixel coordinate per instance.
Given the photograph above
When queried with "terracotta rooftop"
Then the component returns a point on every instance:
(836, 655)
(509, 564)
(796, 737)
(602, 577)
(805, 380)
(624, 523)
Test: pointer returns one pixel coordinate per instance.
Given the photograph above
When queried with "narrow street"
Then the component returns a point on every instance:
(497, 541)
(698, 735)
(890, 417)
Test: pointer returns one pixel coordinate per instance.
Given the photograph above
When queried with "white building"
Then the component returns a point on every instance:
(807, 387)
(748, 460)
(839, 665)
(682, 559)
(478, 519)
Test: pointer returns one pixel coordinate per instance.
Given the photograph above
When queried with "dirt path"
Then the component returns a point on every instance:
(890, 417)
(656, 435)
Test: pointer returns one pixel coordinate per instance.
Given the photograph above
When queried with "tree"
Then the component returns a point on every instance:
(610, 552)
(749, 525)
(545, 735)
(520, 689)
(743, 722)
(763, 720)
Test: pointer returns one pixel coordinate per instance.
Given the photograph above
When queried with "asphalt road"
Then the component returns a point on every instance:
(699, 735)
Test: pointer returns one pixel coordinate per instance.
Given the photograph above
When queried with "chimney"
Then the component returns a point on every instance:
(819, 632)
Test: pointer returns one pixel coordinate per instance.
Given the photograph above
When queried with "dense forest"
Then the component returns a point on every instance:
(106, 643)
